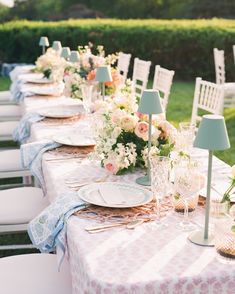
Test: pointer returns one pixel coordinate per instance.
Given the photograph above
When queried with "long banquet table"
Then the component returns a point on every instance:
(144, 260)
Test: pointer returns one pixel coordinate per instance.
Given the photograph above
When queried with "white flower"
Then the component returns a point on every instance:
(154, 151)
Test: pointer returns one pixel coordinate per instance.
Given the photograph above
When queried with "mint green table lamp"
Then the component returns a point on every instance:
(57, 46)
(150, 103)
(43, 42)
(103, 74)
(65, 53)
(212, 135)
(74, 56)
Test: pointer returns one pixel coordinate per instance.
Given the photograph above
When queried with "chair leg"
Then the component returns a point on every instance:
(27, 181)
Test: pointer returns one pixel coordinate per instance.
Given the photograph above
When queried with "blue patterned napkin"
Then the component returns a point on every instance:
(22, 131)
(31, 157)
(48, 230)
(16, 94)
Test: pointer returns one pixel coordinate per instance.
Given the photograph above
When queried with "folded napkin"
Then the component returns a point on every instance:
(21, 69)
(31, 157)
(22, 131)
(48, 230)
(17, 94)
(111, 194)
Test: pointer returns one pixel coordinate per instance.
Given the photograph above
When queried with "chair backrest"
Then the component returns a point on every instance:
(162, 82)
(219, 66)
(123, 64)
(140, 75)
(234, 53)
(34, 273)
(209, 97)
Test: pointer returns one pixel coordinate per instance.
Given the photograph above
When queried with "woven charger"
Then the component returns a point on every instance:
(105, 214)
(72, 150)
(61, 121)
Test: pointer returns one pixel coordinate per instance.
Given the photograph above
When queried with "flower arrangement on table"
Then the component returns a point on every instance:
(84, 71)
(51, 65)
(122, 134)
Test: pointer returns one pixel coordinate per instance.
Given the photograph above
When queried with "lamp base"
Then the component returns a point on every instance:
(198, 239)
(144, 181)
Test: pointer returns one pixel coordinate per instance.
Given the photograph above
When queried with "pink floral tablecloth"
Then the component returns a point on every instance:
(144, 260)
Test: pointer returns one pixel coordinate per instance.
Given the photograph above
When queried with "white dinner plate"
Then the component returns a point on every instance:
(74, 139)
(60, 111)
(39, 81)
(134, 195)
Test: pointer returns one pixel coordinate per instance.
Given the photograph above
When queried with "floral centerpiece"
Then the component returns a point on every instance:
(51, 65)
(122, 133)
(84, 71)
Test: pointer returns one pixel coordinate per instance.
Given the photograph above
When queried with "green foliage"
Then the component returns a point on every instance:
(182, 45)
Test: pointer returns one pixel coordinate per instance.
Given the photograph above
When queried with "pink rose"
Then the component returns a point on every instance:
(141, 130)
(111, 166)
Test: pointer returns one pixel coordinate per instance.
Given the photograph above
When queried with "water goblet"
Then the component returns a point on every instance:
(160, 184)
(186, 136)
(87, 96)
(187, 183)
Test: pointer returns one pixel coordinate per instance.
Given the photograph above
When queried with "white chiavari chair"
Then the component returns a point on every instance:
(229, 88)
(162, 82)
(10, 112)
(140, 75)
(123, 64)
(5, 98)
(18, 207)
(208, 97)
(11, 167)
(34, 274)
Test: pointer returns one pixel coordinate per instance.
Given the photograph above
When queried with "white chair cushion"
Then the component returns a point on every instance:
(5, 95)
(21, 205)
(10, 160)
(7, 128)
(34, 274)
(229, 89)
(10, 110)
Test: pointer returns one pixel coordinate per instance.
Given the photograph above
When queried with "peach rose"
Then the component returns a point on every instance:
(128, 122)
(141, 130)
(116, 79)
(111, 166)
(91, 75)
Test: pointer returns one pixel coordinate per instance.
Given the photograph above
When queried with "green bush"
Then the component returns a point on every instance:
(185, 46)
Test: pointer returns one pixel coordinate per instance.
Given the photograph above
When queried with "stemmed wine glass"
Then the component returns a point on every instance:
(187, 184)
(160, 184)
(87, 96)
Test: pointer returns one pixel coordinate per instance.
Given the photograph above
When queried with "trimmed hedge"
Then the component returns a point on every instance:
(185, 46)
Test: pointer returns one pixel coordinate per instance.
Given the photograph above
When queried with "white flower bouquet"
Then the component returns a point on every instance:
(51, 65)
(122, 135)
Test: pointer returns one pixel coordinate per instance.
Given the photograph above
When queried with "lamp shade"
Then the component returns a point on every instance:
(44, 41)
(212, 133)
(103, 74)
(65, 52)
(74, 56)
(56, 46)
(150, 102)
